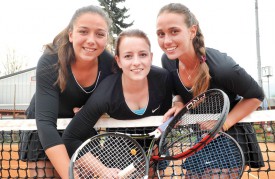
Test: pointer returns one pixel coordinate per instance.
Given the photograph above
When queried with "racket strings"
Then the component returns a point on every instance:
(111, 152)
(221, 158)
(187, 134)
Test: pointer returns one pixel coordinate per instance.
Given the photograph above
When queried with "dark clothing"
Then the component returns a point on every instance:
(225, 74)
(228, 76)
(50, 103)
(109, 99)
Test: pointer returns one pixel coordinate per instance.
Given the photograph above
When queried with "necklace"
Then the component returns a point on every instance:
(189, 75)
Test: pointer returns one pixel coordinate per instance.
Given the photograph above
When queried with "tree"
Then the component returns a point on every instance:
(118, 16)
(12, 62)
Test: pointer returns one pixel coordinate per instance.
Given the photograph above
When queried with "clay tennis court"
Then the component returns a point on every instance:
(9, 160)
(262, 174)
(13, 168)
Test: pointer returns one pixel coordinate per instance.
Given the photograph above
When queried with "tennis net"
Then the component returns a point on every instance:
(12, 130)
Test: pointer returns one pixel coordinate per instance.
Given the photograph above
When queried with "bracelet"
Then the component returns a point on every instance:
(225, 127)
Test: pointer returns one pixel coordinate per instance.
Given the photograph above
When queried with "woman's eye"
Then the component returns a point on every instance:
(160, 34)
(127, 56)
(83, 32)
(101, 34)
(143, 55)
(174, 32)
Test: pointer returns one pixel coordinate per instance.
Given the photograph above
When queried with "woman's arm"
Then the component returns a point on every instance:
(177, 105)
(241, 110)
(81, 126)
(46, 113)
(234, 78)
(60, 160)
(91, 164)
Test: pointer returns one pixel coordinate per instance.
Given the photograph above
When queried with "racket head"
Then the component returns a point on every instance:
(113, 151)
(221, 158)
(194, 126)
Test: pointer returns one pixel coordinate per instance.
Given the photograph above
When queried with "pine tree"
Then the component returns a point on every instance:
(118, 16)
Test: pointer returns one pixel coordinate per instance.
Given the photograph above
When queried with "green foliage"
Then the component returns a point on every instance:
(118, 15)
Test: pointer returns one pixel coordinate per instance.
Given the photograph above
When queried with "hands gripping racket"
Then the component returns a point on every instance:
(111, 156)
(205, 113)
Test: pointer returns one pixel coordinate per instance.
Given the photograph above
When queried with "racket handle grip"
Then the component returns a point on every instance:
(127, 171)
(163, 126)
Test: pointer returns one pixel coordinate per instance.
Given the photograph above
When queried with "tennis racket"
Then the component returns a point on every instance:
(194, 126)
(209, 111)
(222, 158)
(109, 155)
(190, 130)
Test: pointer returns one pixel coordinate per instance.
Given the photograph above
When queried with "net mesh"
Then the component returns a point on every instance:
(12, 134)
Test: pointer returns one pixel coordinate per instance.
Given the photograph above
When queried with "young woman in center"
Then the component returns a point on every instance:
(136, 91)
(195, 69)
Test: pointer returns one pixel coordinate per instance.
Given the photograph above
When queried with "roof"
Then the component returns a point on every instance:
(17, 73)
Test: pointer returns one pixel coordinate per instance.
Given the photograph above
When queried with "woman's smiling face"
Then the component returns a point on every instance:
(89, 36)
(135, 58)
(174, 37)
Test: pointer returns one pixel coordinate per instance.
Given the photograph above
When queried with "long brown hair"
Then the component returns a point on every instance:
(202, 80)
(63, 47)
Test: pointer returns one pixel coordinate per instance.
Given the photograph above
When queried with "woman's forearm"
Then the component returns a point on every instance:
(241, 110)
(60, 160)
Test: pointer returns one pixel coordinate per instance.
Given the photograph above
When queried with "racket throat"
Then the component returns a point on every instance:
(156, 133)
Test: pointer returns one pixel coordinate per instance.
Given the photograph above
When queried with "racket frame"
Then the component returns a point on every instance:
(207, 138)
(76, 153)
(161, 130)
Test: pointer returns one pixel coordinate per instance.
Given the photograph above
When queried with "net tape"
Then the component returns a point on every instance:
(107, 122)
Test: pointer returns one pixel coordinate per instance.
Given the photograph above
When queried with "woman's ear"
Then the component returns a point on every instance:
(193, 31)
(70, 34)
(118, 61)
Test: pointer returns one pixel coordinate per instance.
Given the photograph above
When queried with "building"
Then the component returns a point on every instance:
(16, 91)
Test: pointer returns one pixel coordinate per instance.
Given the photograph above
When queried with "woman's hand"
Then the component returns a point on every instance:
(178, 106)
(207, 125)
(76, 110)
(106, 173)
(111, 173)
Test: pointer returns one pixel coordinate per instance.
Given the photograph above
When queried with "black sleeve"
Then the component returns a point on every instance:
(235, 78)
(47, 101)
(81, 126)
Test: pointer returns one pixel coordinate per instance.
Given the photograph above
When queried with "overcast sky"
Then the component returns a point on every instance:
(228, 25)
